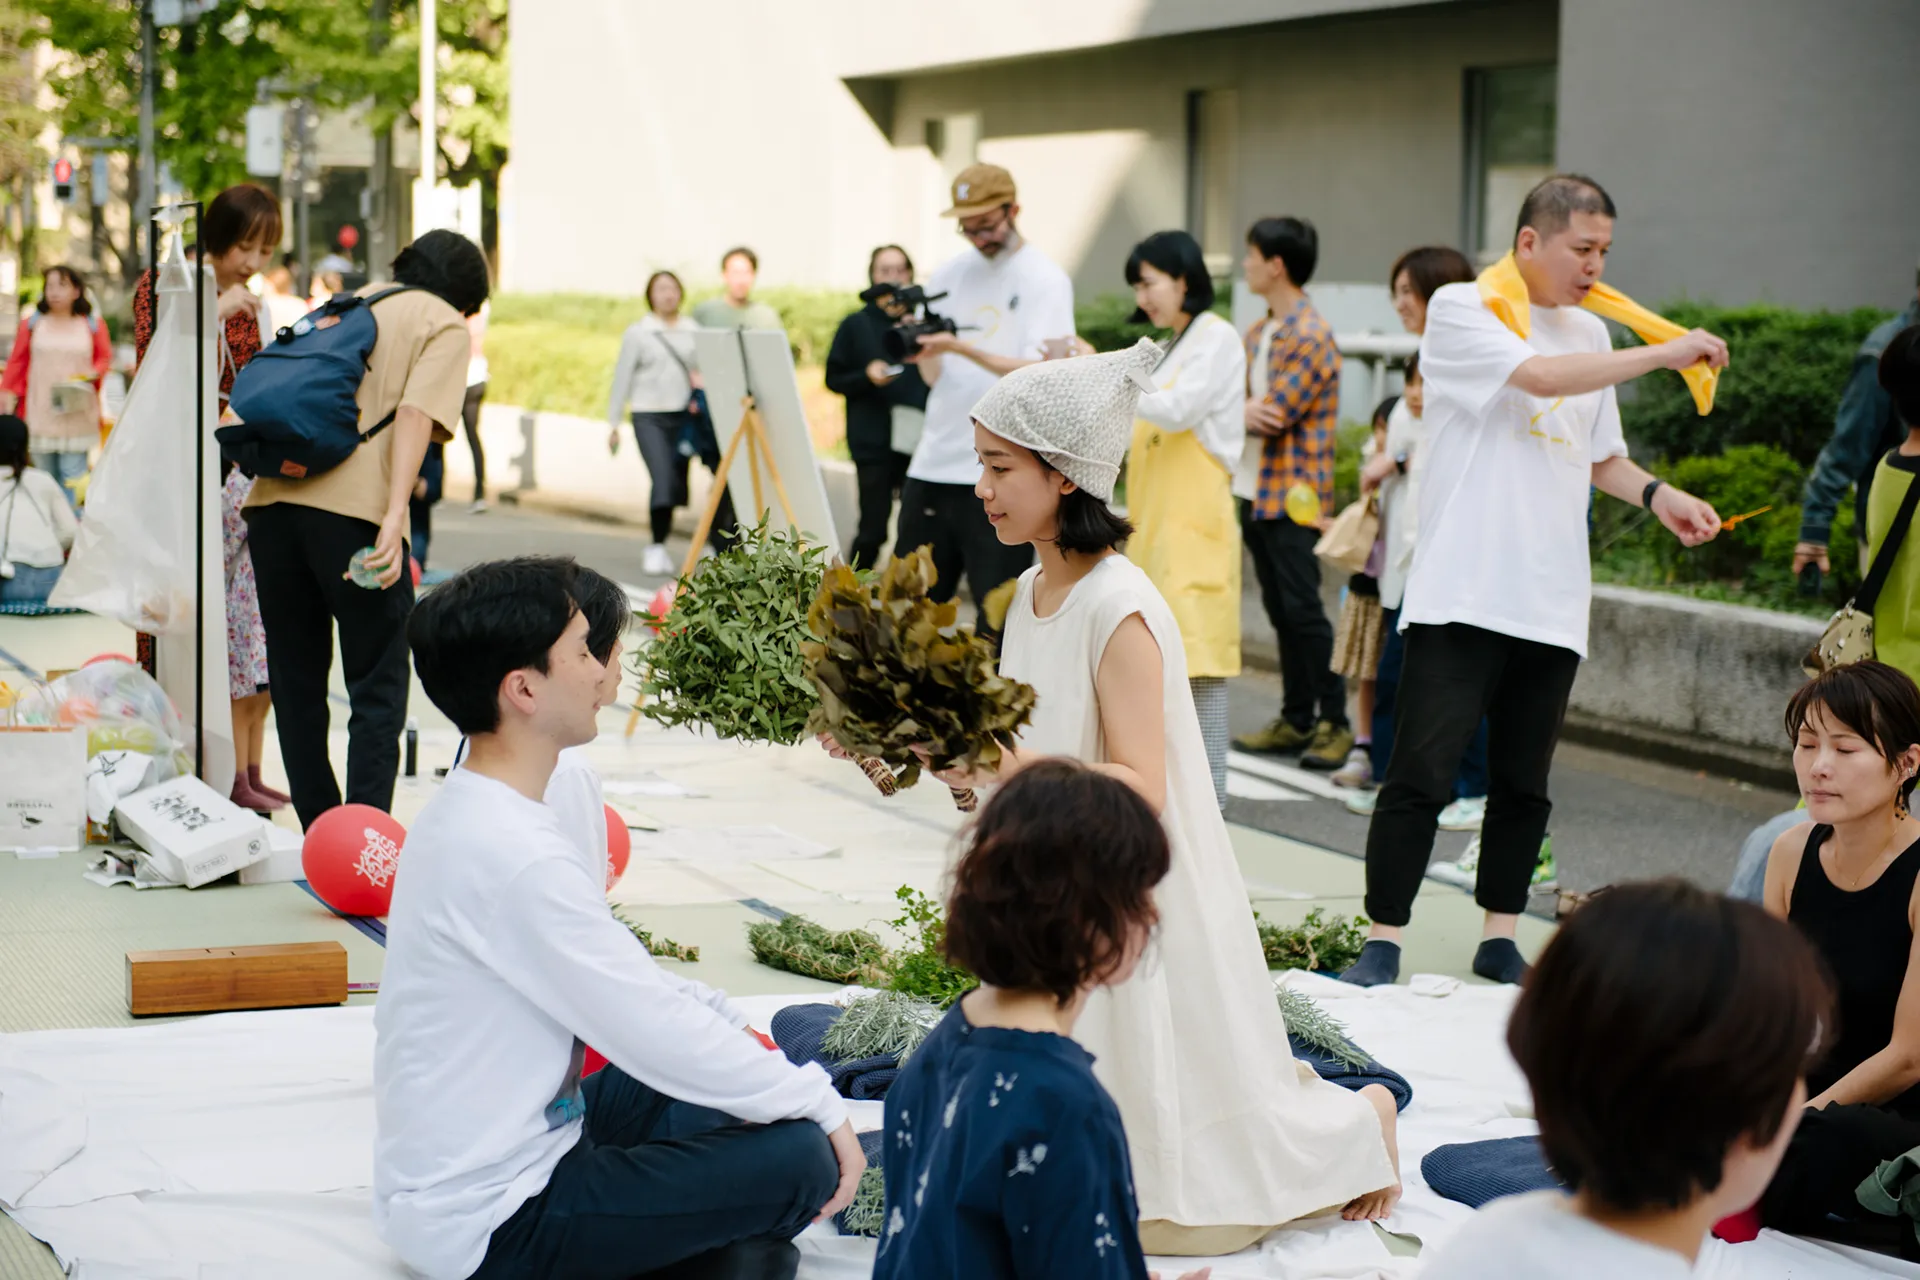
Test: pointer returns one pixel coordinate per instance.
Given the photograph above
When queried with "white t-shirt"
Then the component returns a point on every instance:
(1246, 479)
(1538, 1236)
(1006, 306)
(1505, 487)
(1400, 501)
(579, 801)
(1203, 389)
(37, 524)
(502, 958)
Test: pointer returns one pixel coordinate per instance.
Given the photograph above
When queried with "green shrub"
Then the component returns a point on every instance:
(1785, 374)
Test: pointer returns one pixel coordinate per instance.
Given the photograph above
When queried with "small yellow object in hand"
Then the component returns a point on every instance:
(1731, 521)
(1303, 505)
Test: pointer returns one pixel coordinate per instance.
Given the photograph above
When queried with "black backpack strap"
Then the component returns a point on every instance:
(1869, 592)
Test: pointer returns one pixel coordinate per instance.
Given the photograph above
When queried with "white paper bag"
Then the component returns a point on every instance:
(43, 787)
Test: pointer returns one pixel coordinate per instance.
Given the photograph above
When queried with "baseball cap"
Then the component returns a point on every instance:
(980, 188)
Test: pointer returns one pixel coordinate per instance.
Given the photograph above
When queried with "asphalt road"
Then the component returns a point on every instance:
(1615, 817)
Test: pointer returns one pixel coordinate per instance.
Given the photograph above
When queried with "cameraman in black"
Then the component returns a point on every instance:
(886, 399)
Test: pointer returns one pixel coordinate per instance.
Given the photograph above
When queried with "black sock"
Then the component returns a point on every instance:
(1378, 965)
(1499, 960)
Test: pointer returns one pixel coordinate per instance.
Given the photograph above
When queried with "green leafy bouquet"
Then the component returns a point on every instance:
(728, 653)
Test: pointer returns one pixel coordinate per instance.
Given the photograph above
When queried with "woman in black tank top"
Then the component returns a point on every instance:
(1848, 881)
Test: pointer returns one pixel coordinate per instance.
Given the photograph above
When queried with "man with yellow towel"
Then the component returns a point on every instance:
(1521, 419)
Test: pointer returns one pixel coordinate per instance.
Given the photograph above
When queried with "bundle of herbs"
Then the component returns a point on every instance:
(920, 969)
(1318, 943)
(897, 677)
(728, 653)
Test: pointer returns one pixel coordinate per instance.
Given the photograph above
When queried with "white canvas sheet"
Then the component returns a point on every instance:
(240, 1145)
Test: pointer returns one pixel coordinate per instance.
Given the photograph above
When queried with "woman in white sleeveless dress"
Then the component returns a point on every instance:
(1230, 1137)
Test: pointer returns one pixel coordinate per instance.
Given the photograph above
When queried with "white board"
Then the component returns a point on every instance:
(768, 372)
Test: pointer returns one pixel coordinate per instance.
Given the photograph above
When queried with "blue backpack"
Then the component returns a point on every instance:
(297, 400)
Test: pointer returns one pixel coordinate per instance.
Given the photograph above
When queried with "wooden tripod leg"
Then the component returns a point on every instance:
(716, 490)
(756, 446)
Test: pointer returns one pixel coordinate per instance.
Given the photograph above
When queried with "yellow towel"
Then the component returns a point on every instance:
(1505, 294)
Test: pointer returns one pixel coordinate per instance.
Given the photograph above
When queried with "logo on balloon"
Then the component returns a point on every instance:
(379, 859)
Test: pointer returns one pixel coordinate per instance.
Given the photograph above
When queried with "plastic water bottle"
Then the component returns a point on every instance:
(358, 572)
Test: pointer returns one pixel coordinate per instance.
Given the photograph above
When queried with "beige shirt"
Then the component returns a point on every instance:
(419, 359)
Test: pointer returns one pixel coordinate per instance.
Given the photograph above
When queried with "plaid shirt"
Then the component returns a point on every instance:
(1302, 381)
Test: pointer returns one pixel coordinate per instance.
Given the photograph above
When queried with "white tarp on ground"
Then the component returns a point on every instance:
(240, 1145)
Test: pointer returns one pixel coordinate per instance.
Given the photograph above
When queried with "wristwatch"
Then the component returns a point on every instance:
(1646, 494)
(1400, 462)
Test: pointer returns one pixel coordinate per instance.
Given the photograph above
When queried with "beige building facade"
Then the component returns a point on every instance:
(1759, 149)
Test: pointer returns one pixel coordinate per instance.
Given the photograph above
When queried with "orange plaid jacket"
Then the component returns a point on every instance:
(1302, 381)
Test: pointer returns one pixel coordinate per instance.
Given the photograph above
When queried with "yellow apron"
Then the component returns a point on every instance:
(1187, 539)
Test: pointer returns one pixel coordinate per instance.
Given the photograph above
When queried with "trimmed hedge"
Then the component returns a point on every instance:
(1786, 370)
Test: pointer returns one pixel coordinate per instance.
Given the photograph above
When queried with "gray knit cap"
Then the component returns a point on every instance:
(1077, 414)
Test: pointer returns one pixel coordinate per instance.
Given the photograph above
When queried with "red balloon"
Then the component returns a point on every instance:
(662, 600)
(413, 567)
(350, 856)
(349, 237)
(619, 846)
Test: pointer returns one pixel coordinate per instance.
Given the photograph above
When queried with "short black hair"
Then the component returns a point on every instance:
(1900, 374)
(1292, 240)
(1661, 1025)
(1412, 370)
(1056, 880)
(1429, 267)
(1177, 254)
(242, 214)
(656, 278)
(484, 623)
(1384, 408)
(753, 259)
(1550, 206)
(15, 441)
(81, 307)
(1879, 702)
(448, 264)
(608, 609)
(873, 259)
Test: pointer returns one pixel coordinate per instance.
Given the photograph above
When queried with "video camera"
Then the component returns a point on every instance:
(903, 340)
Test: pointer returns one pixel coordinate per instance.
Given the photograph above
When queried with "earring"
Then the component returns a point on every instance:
(1900, 799)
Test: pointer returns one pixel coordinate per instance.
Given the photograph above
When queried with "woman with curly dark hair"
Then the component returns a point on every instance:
(1007, 1156)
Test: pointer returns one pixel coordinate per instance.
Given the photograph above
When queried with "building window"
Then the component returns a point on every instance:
(1213, 122)
(1509, 148)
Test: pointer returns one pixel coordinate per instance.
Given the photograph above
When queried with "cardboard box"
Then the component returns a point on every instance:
(210, 979)
(283, 862)
(190, 833)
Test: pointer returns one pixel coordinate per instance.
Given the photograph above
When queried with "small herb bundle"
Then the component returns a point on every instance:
(868, 1212)
(798, 945)
(659, 948)
(923, 969)
(728, 654)
(888, 1024)
(894, 672)
(1317, 943)
(1320, 1029)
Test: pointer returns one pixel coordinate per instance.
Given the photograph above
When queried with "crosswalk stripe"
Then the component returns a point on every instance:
(1286, 775)
(1245, 786)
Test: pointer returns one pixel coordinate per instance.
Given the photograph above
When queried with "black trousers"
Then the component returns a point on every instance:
(879, 480)
(659, 1189)
(950, 519)
(1832, 1152)
(300, 557)
(1289, 577)
(1455, 674)
(658, 437)
(470, 419)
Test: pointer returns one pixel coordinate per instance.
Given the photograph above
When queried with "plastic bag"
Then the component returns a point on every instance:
(133, 557)
(121, 707)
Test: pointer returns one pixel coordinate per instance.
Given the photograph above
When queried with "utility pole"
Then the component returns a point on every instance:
(381, 228)
(429, 101)
(148, 182)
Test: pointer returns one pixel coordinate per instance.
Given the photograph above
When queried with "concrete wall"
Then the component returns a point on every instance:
(1758, 149)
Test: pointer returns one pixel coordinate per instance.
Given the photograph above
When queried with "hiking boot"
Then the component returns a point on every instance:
(1464, 814)
(1329, 748)
(1277, 739)
(1358, 770)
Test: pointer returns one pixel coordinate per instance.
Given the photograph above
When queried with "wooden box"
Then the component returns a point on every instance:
(215, 979)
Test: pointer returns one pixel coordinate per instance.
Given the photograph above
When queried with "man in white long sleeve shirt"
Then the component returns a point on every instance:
(696, 1152)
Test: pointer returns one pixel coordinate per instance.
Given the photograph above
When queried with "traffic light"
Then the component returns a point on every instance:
(63, 180)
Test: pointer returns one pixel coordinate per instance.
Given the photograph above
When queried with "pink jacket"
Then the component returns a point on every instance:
(15, 377)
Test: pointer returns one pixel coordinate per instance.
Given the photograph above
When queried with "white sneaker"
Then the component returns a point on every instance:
(1463, 874)
(1357, 771)
(706, 552)
(478, 508)
(657, 562)
(1363, 802)
(1464, 814)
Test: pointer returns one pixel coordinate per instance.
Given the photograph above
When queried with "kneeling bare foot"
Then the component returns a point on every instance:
(1378, 1204)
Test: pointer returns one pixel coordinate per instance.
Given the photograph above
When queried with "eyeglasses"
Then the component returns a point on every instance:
(993, 228)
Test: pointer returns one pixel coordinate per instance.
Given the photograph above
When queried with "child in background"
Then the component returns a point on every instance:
(1666, 1033)
(1005, 1156)
(1358, 638)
